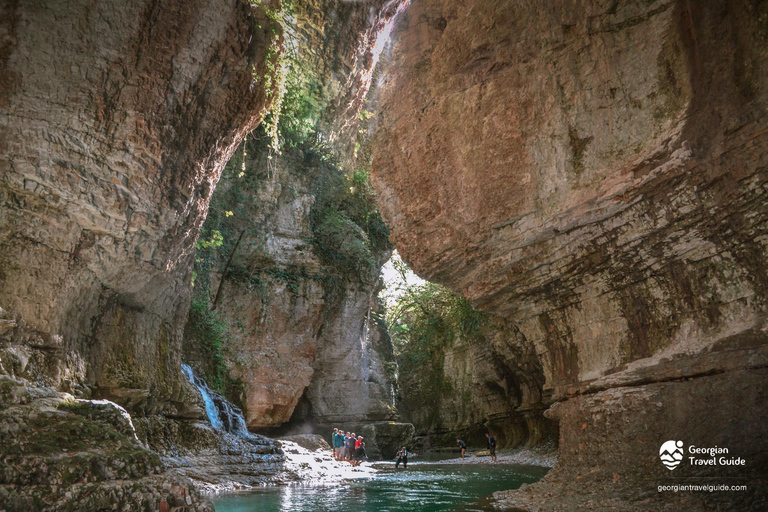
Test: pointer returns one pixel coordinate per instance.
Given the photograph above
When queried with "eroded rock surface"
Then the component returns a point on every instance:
(478, 379)
(298, 325)
(594, 172)
(115, 123)
(116, 119)
(296, 283)
(61, 454)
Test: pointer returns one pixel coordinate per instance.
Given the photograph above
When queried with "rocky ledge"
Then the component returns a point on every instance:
(71, 454)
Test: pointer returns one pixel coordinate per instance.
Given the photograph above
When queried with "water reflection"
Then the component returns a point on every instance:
(422, 487)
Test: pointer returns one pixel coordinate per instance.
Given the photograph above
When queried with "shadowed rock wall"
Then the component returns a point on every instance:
(594, 172)
(115, 121)
(298, 326)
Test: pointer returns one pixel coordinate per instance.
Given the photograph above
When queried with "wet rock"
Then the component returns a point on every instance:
(312, 442)
(69, 454)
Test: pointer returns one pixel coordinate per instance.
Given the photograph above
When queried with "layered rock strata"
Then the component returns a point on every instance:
(61, 454)
(594, 172)
(491, 381)
(115, 122)
(297, 277)
(298, 327)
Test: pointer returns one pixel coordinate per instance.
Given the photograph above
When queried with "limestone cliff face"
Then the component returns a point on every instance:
(298, 326)
(116, 119)
(594, 172)
(488, 379)
(115, 122)
(304, 343)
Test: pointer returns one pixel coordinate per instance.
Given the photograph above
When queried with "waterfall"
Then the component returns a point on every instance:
(222, 414)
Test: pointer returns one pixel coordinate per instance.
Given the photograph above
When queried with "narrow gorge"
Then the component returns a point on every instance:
(211, 214)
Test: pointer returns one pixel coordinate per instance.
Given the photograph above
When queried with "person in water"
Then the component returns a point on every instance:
(402, 456)
(491, 445)
(462, 447)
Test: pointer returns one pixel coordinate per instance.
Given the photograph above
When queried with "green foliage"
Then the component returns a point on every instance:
(302, 106)
(216, 240)
(349, 233)
(211, 333)
(275, 80)
(424, 321)
(297, 95)
(343, 243)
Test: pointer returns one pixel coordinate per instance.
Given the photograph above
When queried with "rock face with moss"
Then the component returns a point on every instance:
(596, 176)
(292, 289)
(64, 454)
(285, 316)
(116, 119)
(462, 373)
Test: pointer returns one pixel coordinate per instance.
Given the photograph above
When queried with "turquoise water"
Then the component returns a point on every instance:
(427, 487)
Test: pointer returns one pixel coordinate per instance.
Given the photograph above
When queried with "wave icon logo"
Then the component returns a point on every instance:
(671, 454)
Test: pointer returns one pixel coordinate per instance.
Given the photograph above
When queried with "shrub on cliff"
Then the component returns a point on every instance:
(211, 333)
(424, 321)
(343, 243)
(349, 233)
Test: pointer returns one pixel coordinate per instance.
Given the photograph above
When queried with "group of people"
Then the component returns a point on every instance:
(490, 440)
(351, 448)
(348, 447)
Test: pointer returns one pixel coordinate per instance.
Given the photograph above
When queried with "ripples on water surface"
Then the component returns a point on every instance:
(422, 487)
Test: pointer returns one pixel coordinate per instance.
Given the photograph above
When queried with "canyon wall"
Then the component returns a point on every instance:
(116, 119)
(594, 172)
(115, 123)
(462, 373)
(299, 323)
(295, 281)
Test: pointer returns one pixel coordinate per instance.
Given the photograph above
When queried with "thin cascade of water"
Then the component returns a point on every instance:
(205, 391)
(222, 414)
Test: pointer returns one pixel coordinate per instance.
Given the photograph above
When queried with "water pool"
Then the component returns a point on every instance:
(427, 487)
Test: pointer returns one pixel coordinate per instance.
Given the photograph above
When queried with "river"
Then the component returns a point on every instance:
(423, 487)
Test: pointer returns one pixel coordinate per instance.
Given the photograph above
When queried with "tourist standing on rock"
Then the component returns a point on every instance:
(337, 443)
(360, 454)
(491, 445)
(402, 456)
(343, 448)
(341, 444)
(350, 444)
(462, 447)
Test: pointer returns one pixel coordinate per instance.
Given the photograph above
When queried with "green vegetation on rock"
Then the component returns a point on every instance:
(211, 333)
(426, 320)
(349, 231)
